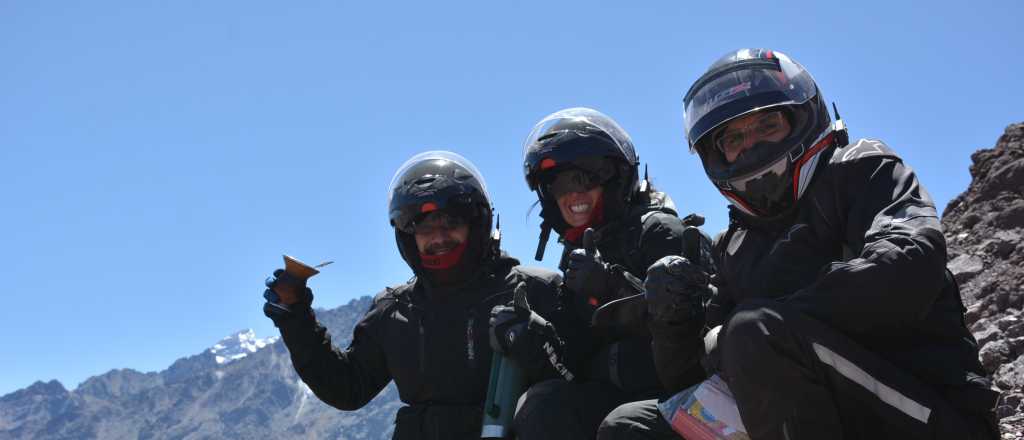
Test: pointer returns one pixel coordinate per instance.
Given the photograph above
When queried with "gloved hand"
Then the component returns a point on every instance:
(675, 290)
(527, 338)
(587, 274)
(285, 296)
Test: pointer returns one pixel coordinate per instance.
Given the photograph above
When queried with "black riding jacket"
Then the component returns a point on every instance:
(650, 230)
(863, 253)
(433, 342)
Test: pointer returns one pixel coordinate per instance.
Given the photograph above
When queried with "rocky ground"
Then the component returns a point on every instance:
(984, 227)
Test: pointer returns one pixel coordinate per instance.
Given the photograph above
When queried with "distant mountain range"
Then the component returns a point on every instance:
(242, 388)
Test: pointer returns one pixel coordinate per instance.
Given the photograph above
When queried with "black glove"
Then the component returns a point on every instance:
(588, 275)
(675, 290)
(527, 338)
(277, 310)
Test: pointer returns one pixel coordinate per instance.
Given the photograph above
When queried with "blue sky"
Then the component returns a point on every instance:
(159, 157)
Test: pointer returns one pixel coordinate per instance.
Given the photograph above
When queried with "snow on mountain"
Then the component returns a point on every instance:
(238, 346)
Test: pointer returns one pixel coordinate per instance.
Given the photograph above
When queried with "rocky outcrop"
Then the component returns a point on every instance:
(984, 229)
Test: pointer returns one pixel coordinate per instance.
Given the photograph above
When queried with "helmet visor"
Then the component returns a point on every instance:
(438, 159)
(732, 141)
(741, 87)
(582, 122)
(432, 181)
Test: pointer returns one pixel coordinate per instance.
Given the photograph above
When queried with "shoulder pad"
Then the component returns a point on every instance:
(661, 202)
(543, 275)
(861, 149)
(650, 203)
(719, 236)
(654, 215)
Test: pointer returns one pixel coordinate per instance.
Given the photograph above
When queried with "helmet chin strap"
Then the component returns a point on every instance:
(542, 244)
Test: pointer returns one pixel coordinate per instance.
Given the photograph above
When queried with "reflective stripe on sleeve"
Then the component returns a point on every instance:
(883, 391)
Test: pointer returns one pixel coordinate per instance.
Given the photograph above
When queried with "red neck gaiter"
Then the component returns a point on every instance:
(574, 235)
(446, 260)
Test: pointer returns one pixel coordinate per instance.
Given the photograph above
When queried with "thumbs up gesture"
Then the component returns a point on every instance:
(509, 323)
(675, 290)
(587, 274)
(524, 336)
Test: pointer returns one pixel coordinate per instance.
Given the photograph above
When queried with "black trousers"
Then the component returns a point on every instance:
(795, 378)
(437, 422)
(636, 420)
(556, 409)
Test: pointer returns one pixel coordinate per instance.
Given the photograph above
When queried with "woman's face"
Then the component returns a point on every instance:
(577, 207)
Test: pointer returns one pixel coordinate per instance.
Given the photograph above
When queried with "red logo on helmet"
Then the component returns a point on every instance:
(741, 87)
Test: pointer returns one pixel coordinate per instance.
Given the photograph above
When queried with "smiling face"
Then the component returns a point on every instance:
(438, 233)
(578, 207)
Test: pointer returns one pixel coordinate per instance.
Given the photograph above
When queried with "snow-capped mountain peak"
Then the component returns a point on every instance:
(239, 345)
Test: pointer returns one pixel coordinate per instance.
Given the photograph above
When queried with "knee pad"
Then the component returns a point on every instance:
(539, 400)
(747, 336)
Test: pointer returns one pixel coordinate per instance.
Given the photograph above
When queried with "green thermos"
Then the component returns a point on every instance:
(506, 384)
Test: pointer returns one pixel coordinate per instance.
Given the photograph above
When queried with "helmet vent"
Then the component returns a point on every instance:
(425, 180)
(548, 136)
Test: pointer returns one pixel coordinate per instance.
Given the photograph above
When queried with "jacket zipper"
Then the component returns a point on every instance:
(470, 348)
(423, 351)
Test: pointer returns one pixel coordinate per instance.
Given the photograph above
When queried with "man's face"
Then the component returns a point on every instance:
(742, 133)
(439, 232)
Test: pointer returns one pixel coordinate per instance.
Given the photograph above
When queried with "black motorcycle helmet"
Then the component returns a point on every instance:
(441, 180)
(584, 139)
(768, 179)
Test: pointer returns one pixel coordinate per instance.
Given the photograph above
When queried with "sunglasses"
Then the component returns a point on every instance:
(572, 180)
(437, 222)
